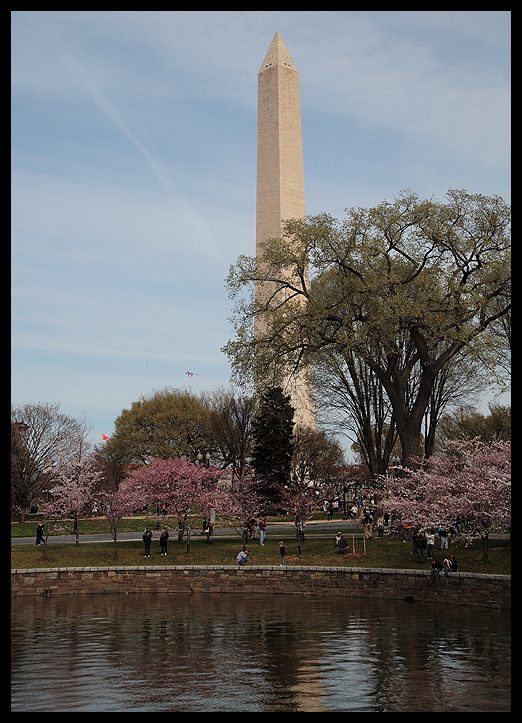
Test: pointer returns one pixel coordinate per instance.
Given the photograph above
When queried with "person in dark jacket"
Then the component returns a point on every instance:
(164, 538)
(282, 552)
(419, 545)
(435, 567)
(342, 545)
(147, 537)
(39, 533)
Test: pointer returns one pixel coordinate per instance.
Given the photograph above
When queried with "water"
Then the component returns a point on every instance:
(242, 654)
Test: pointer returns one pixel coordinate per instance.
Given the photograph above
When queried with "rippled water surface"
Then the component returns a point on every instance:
(238, 654)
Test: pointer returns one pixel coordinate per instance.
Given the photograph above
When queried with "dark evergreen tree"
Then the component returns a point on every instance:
(273, 443)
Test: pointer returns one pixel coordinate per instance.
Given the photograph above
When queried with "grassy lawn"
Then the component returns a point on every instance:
(381, 552)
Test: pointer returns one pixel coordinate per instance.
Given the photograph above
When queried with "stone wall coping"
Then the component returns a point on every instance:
(260, 568)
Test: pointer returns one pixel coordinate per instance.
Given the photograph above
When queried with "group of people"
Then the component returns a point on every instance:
(147, 539)
(421, 542)
(253, 526)
(424, 542)
(367, 516)
(450, 565)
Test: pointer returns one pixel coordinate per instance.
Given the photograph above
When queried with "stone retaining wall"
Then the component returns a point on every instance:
(471, 589)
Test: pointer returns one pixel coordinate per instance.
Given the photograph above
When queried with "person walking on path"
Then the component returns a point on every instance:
(208, 532)
(282, 552)
(163, 541)
(147, 538)
(262, 531)
(39, 533)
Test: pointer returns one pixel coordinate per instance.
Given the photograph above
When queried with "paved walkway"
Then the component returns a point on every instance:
(284, 530)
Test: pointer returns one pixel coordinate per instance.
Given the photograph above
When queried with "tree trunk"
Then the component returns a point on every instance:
(485, 547)
(44, 556)
(408, 417)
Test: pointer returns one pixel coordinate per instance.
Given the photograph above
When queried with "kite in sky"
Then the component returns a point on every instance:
(191, 374)
(104, 437)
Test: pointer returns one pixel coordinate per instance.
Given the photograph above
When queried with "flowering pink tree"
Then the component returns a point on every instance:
(470, 481)
(117, 505)
(239, 506)
(53, 516)
(300, 500)
(183, 487)
(73, 494)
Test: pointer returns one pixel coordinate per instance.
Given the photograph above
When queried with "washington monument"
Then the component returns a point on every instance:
(280, 176)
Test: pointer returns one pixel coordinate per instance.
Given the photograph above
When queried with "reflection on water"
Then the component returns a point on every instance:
(240, 654)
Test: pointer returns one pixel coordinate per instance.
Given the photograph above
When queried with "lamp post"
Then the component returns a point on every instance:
(207, 458)
(210, 510)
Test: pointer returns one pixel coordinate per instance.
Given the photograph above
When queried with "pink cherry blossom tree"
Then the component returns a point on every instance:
(117, 505)
(300, 500)
(239, 506)
(470, 481)
(72, 495)
(183, 487)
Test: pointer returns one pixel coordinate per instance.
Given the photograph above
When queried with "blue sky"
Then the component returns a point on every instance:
(134, 170)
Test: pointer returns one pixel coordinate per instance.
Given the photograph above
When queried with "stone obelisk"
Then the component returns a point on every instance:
(280, 176)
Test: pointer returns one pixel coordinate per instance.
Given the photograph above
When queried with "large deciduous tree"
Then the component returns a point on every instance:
(165, 424)
(231, 418)
(75, 490)
(42, 439)
(402, 286)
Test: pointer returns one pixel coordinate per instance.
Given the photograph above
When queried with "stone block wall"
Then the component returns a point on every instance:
(471, 589)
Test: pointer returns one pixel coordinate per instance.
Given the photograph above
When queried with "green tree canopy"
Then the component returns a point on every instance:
(403, 286)
(166, 424)
(468, 423)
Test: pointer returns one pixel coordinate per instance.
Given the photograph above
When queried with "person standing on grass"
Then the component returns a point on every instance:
(163, 541)
(147, 538)
(262, 531)
(208, 532)
(282, 553)
(430, 543)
